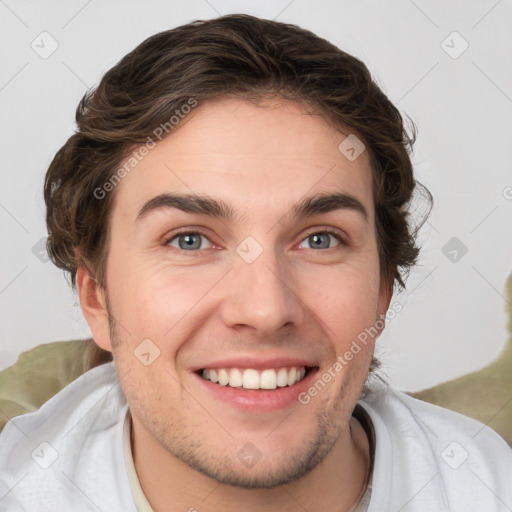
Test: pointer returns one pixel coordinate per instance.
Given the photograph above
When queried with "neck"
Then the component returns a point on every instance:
(335, 484)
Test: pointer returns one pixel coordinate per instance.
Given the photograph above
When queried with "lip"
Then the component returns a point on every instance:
(255, 363)
(248, 400)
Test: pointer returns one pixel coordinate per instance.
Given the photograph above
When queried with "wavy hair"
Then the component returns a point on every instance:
(237, 56)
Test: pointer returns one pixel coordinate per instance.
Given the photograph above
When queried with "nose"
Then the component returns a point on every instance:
(262, 295)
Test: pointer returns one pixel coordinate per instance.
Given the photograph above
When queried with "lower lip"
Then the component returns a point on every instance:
(259, 400)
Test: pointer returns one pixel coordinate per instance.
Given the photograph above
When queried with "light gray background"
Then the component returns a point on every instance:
(453, 320)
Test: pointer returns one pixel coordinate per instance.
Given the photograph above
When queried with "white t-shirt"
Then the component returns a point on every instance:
(71, 454)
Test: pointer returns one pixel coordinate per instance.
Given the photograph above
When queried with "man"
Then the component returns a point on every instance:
(233, 212)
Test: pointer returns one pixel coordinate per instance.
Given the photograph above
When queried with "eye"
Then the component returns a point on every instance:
(187, 240)
(321, 239)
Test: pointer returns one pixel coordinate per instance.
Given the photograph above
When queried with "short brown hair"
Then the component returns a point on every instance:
(238, 56)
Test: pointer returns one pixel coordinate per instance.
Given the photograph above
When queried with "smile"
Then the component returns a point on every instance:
(250, 378)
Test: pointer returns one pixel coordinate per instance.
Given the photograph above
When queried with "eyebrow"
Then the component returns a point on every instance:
(217, 208)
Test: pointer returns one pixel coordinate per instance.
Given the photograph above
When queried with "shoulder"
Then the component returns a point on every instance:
(432, 420)
(460, 461)
(64, 408)
(66, 444)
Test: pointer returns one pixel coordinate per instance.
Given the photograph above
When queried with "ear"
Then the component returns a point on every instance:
(385, 294)
(94, 308)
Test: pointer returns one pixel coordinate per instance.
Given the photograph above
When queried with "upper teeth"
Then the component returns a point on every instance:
(254, 379)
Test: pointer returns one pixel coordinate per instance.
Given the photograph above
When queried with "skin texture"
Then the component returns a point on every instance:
(295, 299)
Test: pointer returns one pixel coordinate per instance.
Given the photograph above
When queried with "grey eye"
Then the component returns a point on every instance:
(320, 240)
(187, 241)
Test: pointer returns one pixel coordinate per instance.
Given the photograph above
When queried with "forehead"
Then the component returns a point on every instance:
(259, 157)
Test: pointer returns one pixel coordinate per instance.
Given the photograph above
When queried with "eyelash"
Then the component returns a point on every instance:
(326, 230)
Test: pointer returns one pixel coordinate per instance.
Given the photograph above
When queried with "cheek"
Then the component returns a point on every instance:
(159, 301)
(346, 299)
(156, 301)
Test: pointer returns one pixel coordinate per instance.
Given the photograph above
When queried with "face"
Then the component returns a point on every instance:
(262, 296)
